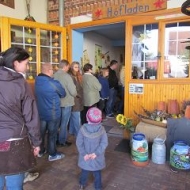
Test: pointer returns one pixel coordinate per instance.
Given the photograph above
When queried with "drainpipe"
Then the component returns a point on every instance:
(61, 12)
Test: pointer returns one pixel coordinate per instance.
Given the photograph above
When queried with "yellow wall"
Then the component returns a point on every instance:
(153, 93)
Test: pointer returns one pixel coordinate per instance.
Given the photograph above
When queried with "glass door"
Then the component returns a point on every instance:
(177, 50)
(144, 51)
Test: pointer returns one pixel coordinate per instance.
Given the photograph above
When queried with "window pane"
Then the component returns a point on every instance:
(177, 50)
(50, 47)
(26, 38)
(144, 51)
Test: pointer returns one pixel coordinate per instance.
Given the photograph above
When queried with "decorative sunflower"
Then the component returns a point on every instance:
(126, 123)
(119, 118)
(124, 120)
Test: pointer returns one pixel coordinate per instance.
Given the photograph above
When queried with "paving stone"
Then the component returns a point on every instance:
(119, 174)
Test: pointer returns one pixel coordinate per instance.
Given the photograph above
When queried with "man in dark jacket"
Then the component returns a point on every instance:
(48, 93)
(113, 85)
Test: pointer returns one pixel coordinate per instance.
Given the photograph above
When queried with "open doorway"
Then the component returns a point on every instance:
(98, 45)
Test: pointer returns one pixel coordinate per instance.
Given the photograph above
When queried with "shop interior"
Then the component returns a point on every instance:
(98, 45)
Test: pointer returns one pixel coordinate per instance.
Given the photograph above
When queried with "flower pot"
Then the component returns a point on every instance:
(187, 112)
(173, 107)
(161, 106)
(126, 134)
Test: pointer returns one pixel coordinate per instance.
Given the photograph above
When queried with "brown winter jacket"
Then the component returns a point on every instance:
(79, 98)
(18, 111)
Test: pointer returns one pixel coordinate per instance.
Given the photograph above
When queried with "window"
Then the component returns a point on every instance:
(50, 47)
(177, 50)
(145, 51)
(26, 38)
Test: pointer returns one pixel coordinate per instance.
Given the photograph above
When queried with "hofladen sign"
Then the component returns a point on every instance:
(130, 8)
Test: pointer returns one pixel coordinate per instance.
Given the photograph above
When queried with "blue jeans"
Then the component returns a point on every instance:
(75, 123)
(111, 101)
(65, 116)
(52, 128)
(13, 182)
(97, 178)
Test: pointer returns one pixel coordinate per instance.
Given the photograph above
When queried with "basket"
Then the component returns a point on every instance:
(157, 123)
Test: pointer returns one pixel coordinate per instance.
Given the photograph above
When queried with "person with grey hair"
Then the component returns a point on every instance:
(91, 90)
(67, 102)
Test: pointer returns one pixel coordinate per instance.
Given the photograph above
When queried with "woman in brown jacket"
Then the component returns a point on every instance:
(19, 120)
(75, 119)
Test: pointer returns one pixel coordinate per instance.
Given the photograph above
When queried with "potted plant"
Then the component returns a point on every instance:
(186, 108)
(126, 124)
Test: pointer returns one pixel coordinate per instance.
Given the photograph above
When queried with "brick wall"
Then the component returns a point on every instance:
(75, 8)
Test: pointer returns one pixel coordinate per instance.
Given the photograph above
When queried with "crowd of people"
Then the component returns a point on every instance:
(69, 100)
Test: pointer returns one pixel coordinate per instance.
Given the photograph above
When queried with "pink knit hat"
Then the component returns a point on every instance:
(94, 115)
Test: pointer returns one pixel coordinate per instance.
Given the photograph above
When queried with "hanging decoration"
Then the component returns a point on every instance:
(56, 44)
(29, 41)
(30, 50)
(29, 17)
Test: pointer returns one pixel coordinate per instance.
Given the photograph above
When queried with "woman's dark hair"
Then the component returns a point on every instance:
(87, 67)
(12, 54)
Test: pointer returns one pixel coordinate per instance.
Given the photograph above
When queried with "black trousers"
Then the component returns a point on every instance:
(84, 111)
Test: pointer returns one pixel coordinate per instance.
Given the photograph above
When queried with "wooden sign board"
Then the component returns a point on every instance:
(130, 8)
(9, 3)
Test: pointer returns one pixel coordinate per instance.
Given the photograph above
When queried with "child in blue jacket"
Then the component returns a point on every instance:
(91, 144)
(104, 92)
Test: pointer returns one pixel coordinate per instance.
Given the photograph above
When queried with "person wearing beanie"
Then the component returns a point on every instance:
(91, 143)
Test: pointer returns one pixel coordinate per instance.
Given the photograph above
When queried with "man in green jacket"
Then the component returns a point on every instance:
(67, 102)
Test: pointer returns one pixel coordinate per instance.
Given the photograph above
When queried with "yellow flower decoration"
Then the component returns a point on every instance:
(126, 123)
(119, 118)
(124, 120)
